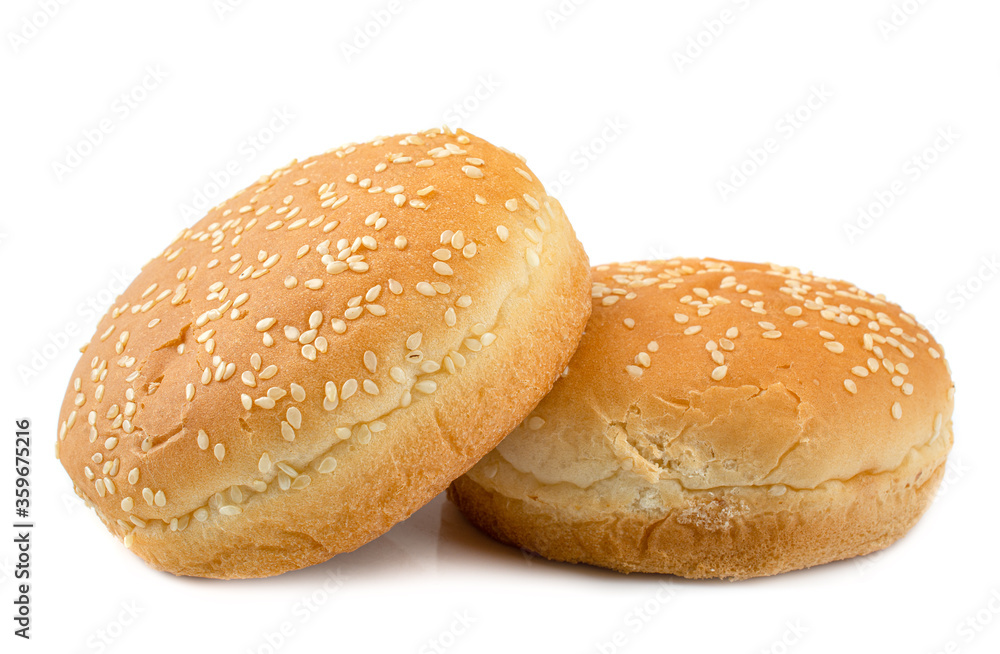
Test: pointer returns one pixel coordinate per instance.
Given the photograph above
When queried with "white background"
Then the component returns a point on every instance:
(548, 86)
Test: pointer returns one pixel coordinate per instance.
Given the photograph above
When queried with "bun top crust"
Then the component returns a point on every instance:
(295, 315)
(718, 373)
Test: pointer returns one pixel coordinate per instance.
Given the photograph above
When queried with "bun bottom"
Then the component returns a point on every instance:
(733, 533)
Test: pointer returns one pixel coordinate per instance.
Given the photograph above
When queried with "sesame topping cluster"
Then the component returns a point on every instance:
(870, 339)
(283, 282)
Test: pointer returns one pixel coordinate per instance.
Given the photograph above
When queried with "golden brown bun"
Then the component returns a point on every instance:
(724, 419)
(323, 353)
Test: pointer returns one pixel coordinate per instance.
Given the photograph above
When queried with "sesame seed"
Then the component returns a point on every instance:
(427, 386)
(897, 410)
(771, 334)
(349, 388)
(472, 172)
(834, 346)
(442, 268)
(719, 372)
(220, 451)
(502, 233)
(160, 498)
(634, 371)
(511, 204)
(425, 289)
(248, 379)
(681, 318)
(371, 361)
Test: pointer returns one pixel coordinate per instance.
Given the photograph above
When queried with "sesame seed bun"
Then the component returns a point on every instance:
(724, 419)
(323, 353)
